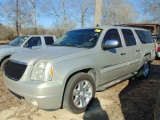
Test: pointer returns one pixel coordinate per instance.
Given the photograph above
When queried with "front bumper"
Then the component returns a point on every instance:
(45, 95)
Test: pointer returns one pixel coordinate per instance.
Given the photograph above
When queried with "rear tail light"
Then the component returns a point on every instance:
(158, 49)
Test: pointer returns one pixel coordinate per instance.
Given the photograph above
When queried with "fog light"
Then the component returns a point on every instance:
(34, 102)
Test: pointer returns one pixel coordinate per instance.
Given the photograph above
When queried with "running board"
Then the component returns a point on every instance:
(114, 82)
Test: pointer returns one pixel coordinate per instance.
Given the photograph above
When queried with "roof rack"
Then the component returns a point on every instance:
(128, 26)
(117, 25)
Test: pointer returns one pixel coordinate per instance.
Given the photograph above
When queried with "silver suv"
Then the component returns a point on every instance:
(80, 63)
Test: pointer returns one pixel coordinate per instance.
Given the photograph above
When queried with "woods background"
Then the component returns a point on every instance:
(21, 17)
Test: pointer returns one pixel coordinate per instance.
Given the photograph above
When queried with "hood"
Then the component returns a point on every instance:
(6, 49)
(48, 53)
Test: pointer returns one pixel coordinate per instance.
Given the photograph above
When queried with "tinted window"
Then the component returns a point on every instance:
(49, 40)
(33, 41)
(129, 37)
(18, 41)
(144, 36)
(112, 34)
(79, 38)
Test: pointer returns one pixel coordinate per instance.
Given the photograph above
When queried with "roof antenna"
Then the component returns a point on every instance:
(97, 25)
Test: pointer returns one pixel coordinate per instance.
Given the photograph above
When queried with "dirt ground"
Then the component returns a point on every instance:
(126, 101)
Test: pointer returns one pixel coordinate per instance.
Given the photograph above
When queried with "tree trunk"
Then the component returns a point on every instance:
(35, 24)
(82, 20)
(98, 12)
(17, 16)
(64, 16)
(34, 16)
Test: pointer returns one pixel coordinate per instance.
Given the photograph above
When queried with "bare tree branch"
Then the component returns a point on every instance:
(118, 12)
(151, 9)
(33, 5)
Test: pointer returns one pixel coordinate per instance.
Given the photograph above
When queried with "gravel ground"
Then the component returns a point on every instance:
(129, 100)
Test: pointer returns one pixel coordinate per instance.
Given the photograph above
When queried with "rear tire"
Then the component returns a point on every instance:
(144, 71)
(3, 64)
(79, 93)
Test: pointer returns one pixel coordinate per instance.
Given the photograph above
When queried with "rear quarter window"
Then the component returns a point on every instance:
(144, 36)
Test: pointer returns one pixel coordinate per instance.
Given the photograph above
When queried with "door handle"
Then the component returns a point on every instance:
(123, 53)
(137, 50)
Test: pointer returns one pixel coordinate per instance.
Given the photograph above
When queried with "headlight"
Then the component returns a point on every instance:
(42, 71)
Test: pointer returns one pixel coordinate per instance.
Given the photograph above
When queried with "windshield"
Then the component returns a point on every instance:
(18, 41)
(80, 38)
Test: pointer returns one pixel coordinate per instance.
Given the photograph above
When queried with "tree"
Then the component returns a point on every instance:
(16, 12)
(35, 9)
(118, 12)
(98, 12)
(151, 8)
(34, 14)
(17, 16)
(61, 12)
(84, 10)
(6, 33)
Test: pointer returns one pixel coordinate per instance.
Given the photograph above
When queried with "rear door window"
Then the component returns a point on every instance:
(129, 37)
(49, 40)
(33, 41)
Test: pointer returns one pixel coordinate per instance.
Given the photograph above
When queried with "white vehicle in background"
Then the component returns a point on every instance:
(24, 43)
(158, 46)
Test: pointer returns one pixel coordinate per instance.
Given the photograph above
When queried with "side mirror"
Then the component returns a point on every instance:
(110, 44)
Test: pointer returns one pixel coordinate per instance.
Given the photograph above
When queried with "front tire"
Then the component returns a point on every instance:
(79, 93)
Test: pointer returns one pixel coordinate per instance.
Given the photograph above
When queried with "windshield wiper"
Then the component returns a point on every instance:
(56, 45)
(14, 45)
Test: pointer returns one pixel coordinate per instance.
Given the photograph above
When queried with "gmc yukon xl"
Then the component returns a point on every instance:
(81, 62)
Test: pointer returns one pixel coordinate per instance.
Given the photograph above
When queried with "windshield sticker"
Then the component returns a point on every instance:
(97, 30)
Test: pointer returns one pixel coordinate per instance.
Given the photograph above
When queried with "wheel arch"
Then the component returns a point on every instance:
(4, 59)
(146, 57)
(90, 71)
